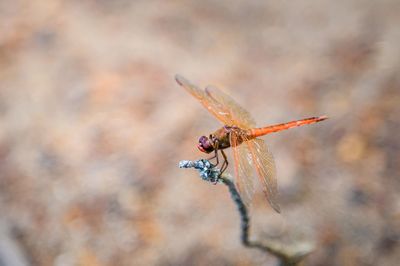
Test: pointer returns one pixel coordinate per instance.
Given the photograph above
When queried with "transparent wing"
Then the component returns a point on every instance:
(238, 114)
(219, 104)
(243, 169)
(265, 168)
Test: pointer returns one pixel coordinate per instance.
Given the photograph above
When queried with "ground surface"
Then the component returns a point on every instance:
(93, 125)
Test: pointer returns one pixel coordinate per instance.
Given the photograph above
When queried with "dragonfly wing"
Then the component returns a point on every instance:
(211, 104)
(265, 168)
(191, 88)
(221, 105)
(243, 169)
(237, 113)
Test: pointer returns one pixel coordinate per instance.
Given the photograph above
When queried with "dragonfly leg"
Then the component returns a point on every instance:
(214, 157)
(215, 153)
(225, 163)
(223, 167)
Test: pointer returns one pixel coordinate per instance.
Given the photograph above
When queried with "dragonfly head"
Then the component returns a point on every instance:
(205, 145)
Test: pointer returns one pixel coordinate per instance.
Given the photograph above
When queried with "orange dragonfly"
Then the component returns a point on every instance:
(240, 133)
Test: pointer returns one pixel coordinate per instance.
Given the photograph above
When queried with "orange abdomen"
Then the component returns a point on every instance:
(258, 132)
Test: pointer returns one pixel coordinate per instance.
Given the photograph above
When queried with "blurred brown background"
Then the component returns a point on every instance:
(93, 125)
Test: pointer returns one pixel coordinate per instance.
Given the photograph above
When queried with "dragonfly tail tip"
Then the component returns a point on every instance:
(322, 118)
(179, 79)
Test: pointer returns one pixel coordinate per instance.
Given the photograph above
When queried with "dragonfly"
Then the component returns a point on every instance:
(240, 133)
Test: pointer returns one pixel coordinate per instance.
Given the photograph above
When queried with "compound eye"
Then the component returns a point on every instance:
(204, 145)
(203, 139)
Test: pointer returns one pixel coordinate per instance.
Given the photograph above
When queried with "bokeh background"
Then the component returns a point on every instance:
(93, 125)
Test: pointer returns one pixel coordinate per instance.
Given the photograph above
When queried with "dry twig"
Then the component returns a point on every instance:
(286, 255)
